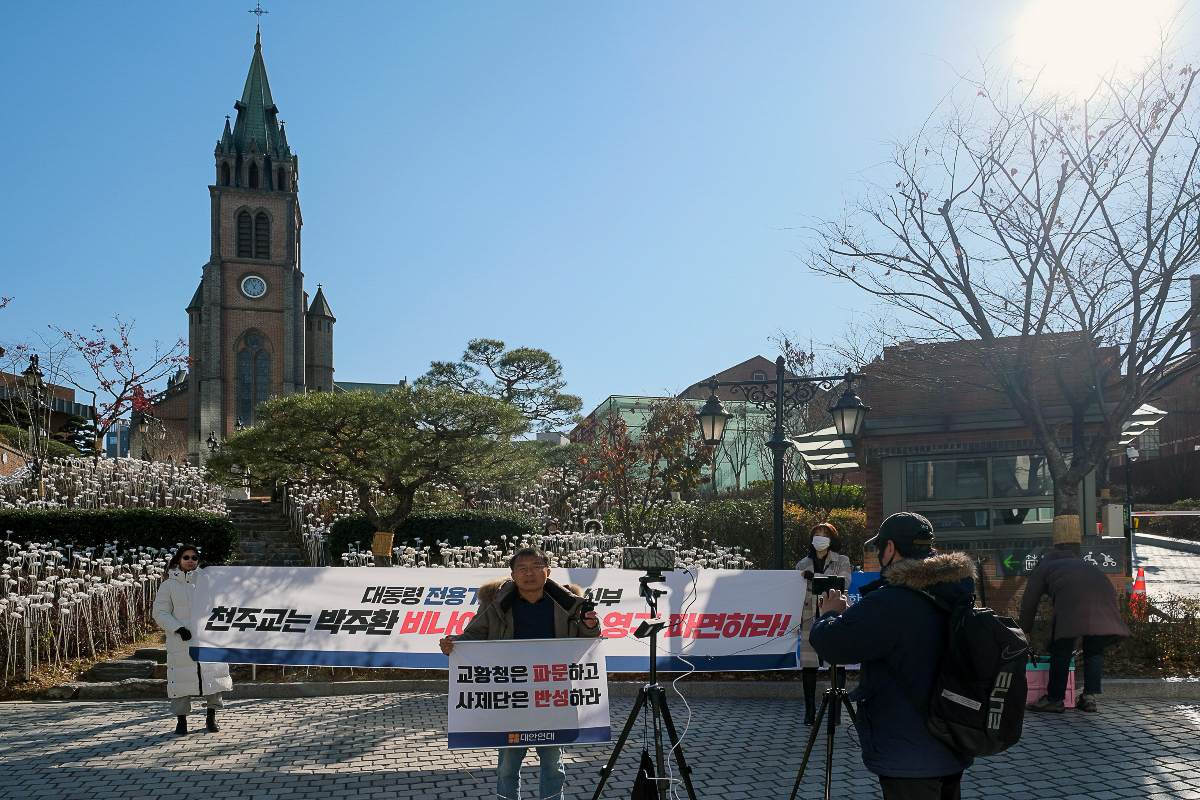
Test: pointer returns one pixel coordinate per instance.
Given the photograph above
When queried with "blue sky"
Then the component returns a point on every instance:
(624, 184)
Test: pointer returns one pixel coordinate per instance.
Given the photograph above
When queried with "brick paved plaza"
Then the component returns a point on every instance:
(392, 746)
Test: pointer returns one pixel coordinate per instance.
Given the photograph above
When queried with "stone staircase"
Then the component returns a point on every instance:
(143, 675)
(266, 538)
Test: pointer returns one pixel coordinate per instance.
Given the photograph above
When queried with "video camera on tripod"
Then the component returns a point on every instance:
(654, 560)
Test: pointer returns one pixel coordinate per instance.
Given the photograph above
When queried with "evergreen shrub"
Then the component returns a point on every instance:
(19, 439)
(459, 527)
(750, 524)
(131, 527)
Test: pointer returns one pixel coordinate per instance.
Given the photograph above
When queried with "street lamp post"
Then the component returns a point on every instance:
(35, 387)
(1131, 455)
(780, 396)
(148, 427)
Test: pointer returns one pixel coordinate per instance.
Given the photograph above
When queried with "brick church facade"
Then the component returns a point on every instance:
(253, 332)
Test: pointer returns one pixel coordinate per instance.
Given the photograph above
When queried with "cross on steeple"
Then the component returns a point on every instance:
(259, 11)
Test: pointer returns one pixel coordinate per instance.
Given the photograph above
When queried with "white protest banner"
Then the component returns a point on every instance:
(527, 693)
(718, 620)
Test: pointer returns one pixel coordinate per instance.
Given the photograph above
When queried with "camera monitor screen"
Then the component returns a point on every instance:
(823, 583)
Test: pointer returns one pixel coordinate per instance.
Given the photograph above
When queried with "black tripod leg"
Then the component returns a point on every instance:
(830, 730)
(841, 699)
(812, 738)
(607, 771)
(660, 762)
(684, 770)
(849, 706)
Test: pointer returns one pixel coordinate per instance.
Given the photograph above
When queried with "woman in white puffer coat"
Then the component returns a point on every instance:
(173, 613)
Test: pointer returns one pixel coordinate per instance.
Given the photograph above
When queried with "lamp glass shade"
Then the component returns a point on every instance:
(1131, 453)
(32, 377)
(712, 418)
(143, 426)
(848, 414)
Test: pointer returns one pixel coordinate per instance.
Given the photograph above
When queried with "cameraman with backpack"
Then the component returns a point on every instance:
(899, 637)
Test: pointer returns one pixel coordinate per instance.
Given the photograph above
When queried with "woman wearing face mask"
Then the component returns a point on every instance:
(822, 559)
(173, 613)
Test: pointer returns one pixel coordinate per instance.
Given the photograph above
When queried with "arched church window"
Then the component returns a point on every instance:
(226, 175)
(253, 376)
(245, 235)
(281, 183)
(253, 178)
(262, 236)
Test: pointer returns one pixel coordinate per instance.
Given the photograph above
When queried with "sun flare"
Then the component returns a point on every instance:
(1074, 43)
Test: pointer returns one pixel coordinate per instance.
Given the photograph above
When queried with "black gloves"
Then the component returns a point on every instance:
(807, 574)
(184, 634)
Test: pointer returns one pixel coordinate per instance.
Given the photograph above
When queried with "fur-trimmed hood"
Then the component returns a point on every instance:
(923, 573)
(501, 588)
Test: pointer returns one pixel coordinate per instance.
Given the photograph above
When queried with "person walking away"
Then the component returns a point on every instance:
(899, 637)
(173, 613)
(1085, 607)
(824, 558)
(528, 606)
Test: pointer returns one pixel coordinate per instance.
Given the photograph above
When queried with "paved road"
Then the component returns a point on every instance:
(392, 746)
(1168, 571)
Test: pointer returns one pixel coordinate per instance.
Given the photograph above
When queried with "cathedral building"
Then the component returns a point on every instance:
(252, 331)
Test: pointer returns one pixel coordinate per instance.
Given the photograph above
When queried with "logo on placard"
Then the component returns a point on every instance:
(514, 738)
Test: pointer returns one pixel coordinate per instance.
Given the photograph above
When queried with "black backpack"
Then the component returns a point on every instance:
(978, 702)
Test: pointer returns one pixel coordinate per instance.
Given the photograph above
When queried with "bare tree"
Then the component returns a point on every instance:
(119, 373)
(29, 412)
(741, 440)
(1052, 237)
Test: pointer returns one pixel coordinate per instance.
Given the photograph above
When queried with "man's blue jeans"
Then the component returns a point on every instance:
(1060, 665)
(508, 769)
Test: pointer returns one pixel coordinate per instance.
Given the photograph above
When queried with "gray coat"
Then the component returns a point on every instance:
(172, 611)
(835, 564)
(1085, 602)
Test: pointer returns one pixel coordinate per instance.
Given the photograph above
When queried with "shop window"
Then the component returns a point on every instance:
(958, 519)
(1148, 444)
(949, 479)
(1021, 476)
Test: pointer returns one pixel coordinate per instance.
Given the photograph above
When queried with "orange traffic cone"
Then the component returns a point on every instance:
(1138, 604)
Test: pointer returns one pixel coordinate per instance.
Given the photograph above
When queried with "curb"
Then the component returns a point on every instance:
(1181, 545)
(1114, 689)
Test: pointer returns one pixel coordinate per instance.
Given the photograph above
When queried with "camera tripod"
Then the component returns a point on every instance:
(834, 698)
(655, 696)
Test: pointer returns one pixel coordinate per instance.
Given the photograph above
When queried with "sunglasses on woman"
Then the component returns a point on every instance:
(189, 558)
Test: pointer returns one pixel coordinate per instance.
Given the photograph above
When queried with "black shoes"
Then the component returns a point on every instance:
(210, 721)
(181, 726)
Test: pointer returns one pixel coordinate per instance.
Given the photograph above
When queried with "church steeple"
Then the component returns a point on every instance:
(254, 154)
(258, 116)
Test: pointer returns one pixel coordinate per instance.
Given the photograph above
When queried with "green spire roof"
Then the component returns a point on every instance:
(319, 307)
(197, 298)
(257, 115)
